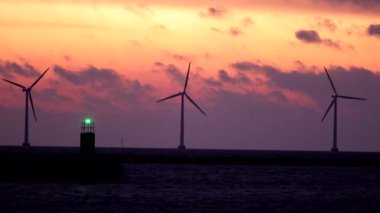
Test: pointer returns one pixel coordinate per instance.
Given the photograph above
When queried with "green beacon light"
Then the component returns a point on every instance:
(88, 125)
(87, 121)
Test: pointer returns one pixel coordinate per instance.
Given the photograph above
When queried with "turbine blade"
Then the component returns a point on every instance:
(14, 83)
(187, 77)
(328, 109)
(172, 96)
(353, 98)
(39, 78)
(331, 82)
(193, 102)
(31, 103)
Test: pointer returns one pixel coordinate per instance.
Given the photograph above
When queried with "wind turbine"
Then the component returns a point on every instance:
(183, 94)
(28, 96)
(334, 103)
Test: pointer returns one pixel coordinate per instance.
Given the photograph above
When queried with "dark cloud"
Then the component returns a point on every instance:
(234, 31)
(158, 64)
(308, 36)
(247, 66)
(312, 36)
(69, 75)
(106, 84)
(353, 80)
(98, 78)
(226, 78)
(327, 23)
(12, 70)
(223, 76)
(304, 81)
(333, 44)
(244, 66)
(255, 79)
(374, 30)
(216, 12)
(212, 82)
(174, 73)
(370, 5)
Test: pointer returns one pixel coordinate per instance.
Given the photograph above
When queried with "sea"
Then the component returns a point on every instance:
(205, 188)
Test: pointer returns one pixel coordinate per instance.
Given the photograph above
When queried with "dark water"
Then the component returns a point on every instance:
(206, 188)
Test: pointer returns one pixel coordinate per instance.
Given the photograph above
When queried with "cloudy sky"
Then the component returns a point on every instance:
(257, 71)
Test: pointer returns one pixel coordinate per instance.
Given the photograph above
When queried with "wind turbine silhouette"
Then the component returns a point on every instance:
(183, 94)
(28, 96)
(334, 103)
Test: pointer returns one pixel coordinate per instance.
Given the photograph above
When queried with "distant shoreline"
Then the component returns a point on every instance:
(208, 156)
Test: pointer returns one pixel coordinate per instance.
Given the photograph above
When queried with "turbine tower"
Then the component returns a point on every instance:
(334, 103)
(183, 94)
(28, 96)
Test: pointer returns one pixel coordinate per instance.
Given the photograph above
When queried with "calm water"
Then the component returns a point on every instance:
(203, 188)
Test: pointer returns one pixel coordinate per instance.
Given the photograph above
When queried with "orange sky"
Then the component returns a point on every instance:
(131, 37)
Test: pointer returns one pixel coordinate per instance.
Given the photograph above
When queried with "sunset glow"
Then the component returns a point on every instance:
(112, 56)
